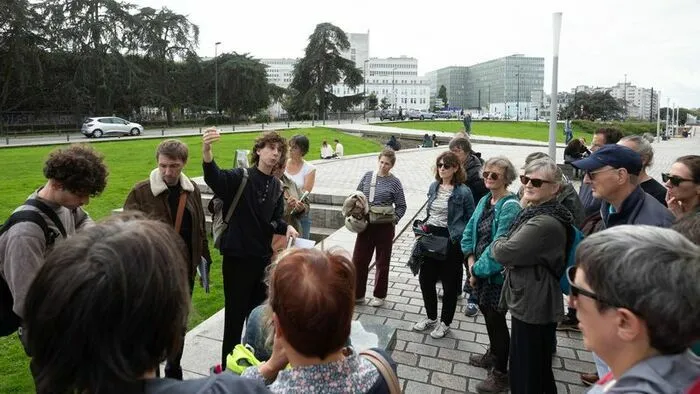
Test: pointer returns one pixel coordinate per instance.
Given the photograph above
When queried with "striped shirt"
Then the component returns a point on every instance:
(387, 192)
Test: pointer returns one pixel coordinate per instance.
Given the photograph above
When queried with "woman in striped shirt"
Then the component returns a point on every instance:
(378, 236)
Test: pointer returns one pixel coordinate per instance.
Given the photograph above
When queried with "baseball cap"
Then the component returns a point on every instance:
(613, 155)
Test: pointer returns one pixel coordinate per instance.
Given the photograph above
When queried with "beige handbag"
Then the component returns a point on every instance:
(378, 214)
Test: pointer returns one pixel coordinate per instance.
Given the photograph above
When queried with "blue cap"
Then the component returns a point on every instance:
(613, 155)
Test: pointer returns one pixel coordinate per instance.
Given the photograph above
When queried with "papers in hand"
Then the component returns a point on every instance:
(303, 243)
(203, 271)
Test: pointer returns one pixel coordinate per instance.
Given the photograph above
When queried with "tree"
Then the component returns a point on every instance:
(385, 103)
(598, 105)
(682, 114)
(372, 102)
(243, 85)
(442, 94)
(323, 67)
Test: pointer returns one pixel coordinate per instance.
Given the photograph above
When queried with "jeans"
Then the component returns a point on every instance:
(256, 332)
(305, 221)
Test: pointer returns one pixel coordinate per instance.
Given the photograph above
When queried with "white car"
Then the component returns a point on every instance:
(105, 125)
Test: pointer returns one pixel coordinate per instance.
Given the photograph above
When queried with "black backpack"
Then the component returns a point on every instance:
(9, 321)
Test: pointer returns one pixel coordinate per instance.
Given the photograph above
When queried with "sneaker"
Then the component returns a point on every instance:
(589, 379)
(486, 360)
(360, 301)
(440, 331)
(496, 382)
(424, 324)
(376, 302)
(471, 310)
(568, 324)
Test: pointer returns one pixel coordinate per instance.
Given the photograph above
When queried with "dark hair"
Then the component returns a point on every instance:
(612, 135)
(173, 149)
(389, 154)
(313, 295)
(78, 168)
(693, 164)
(451, 159)
(689, 226)
(269, 138)
(300, 141)
(107, 306)
(461, 143)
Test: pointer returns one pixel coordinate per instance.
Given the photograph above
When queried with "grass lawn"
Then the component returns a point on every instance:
(130, 162)
(538, 131)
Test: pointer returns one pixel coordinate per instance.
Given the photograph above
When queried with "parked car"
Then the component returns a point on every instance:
(106, 125)
(389, 114)
(444, 114)
(420, 114)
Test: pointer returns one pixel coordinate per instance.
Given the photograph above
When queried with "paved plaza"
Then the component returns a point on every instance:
(426, 365)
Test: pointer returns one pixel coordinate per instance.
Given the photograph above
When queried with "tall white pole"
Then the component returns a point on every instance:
(668, 107)
(658, 117)
(556, 25)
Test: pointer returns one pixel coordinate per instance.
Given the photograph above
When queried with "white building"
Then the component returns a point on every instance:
(397, 80)
(280, 71)
(639, 102)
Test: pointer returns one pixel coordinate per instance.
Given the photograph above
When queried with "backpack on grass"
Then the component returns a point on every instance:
(9, 321)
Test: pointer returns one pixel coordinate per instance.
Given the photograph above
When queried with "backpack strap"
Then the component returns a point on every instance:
(384, 368)
(50, 213)
(237, 197)
(372, 187)
(35, 217)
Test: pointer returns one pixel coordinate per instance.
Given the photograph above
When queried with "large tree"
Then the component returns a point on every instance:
(321, 68)
(243, 86)
(597, 105)
(442, 94)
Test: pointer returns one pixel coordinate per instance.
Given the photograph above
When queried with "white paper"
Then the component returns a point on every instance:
(304, 243)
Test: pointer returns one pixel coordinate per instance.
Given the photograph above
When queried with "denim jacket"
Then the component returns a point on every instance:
(505, 211)
(460, 207)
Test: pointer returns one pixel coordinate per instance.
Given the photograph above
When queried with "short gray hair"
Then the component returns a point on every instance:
(652, 271)
(509, 171)
(643, 147)
(549, 167)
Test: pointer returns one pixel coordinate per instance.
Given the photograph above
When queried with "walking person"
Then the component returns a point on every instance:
(534, 253)
(492, 218)
(302, 173)
(384, 192)
(450, 205)
(246, 243)
(170, 196)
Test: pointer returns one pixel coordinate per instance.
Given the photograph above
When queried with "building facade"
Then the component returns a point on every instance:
(396, 80)
(640, 103)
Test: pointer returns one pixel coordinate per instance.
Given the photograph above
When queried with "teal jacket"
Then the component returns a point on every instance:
(505, 211)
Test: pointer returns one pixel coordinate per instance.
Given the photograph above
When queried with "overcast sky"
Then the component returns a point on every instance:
(656, 43)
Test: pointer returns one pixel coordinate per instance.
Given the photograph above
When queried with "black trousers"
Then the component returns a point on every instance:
(499, 337)
(244, 289)
(449, 272)
(531, 358)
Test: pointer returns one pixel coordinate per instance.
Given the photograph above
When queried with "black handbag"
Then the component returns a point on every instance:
(434, 246)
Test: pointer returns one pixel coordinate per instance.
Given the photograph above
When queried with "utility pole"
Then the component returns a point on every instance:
(216, 77)
(517, 95)
(365, 89)
(625, 96)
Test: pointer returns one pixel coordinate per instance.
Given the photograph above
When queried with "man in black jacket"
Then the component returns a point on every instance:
(246, 244)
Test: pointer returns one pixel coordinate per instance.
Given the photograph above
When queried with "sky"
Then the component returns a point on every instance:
(655, 43)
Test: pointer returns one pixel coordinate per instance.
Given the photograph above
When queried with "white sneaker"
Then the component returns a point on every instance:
(376, 302)
(360, 301)
(423, 324)
(440, 330)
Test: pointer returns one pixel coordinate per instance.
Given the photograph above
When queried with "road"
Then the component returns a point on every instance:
(48, 139)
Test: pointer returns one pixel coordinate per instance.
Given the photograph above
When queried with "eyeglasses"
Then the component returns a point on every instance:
(443, 165)
(591, 174)
(674, 179)
(491, 175)
(535, 182)
(578, 291)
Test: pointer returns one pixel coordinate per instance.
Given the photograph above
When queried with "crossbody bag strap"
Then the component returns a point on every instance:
(384, 369)
(180, 211)
(372, 187)
(46, 210)
(237, 197)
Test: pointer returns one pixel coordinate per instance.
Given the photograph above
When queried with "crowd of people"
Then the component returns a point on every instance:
(98, 306)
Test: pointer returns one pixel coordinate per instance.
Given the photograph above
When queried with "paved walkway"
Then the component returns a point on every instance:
(426, 365)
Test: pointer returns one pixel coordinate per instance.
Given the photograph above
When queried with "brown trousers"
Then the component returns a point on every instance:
(379, 237)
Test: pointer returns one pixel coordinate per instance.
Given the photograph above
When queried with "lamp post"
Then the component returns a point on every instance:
(216, 77)
(517, 94)
(625, 96)
(556, 24)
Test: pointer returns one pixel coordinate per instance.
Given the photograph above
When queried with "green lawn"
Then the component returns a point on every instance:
(538, 131)
(130, 162)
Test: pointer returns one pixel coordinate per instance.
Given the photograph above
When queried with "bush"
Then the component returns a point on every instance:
(262, 117)
(627, 128)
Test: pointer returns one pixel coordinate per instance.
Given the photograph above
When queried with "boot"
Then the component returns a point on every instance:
(486, 360)
(496, 382)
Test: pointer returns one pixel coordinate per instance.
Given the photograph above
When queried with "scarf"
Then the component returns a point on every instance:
(551, 208)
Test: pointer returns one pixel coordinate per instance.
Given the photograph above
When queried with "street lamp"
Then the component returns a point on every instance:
(556, 31)
(365, 88)
(517, 95)
(216, 77)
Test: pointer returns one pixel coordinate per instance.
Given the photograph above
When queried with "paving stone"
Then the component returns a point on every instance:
(446, 342)
(578, 366)
(410, 336)
(402, 324)
(567, 376)
(469, 371)
(421, 388)
(568, 342)
(455, 355)
(557, 362)
(394, 314)
(399, 345)
(412, 373)
(561, 387)
(463, 335)
(566, 352)
(435, 364)
(412, 294)
(420, 348)
(472, 385)
(407, 308)
(577, 389)
(404, 357)
(471, 347)
(449, 380)
(475, 327)
(403, 286)
(372, 319)
(413, 317)
(483, 339)
(584, 355)
(397, 299)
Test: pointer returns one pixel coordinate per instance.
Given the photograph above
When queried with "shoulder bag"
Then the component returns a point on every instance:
(378, 214)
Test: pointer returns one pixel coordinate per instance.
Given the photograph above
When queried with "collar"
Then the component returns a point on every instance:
(158, 185)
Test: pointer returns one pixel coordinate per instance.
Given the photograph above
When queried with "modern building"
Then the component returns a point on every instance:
(396, 80)
(454, 79)
(359, 48)
(280, 71)
(640, 103)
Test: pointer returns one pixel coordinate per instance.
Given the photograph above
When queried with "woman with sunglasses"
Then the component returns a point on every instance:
(683, 183)
(450, 204)
(534, 254)
(492, 218)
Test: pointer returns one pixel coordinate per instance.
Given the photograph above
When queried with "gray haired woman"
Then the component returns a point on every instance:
(534, 256)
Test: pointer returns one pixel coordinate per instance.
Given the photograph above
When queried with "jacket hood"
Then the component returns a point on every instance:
(158, 184)
(661, 374)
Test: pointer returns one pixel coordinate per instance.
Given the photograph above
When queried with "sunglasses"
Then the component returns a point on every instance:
(592, 174)
(578, 291)
(535, 182)
(443, 165)
(674, 179)
(491, 175)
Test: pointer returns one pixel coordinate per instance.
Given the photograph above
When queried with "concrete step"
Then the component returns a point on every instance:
(327, 216)
(318, 234)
